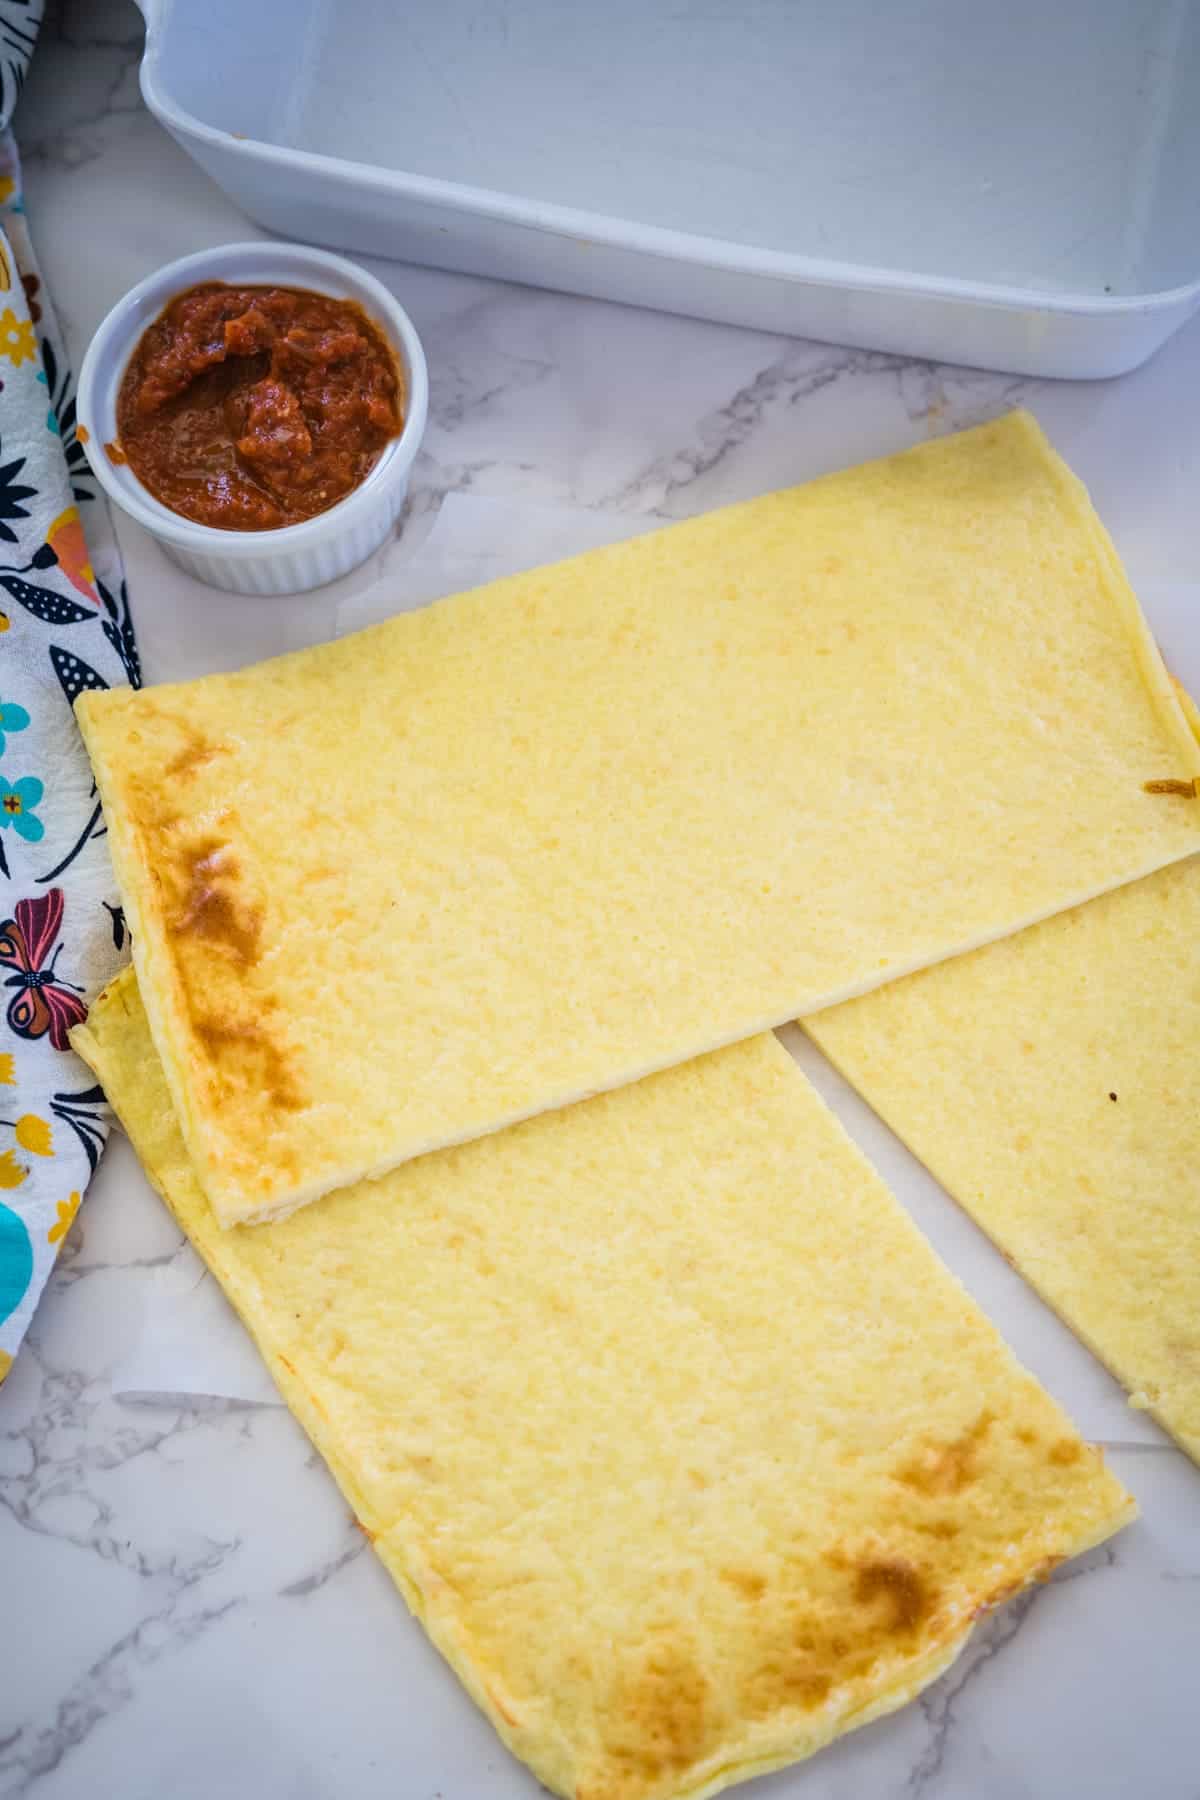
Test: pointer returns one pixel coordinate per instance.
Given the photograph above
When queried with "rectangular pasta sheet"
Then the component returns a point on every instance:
(1052, 1084)
(542, 838)
(676, 1436)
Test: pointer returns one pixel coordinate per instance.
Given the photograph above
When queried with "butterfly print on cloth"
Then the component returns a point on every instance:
(29, 947)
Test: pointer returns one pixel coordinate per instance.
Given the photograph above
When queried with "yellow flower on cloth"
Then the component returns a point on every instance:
(18, 340)
(6, 1068)
(62, 1224)
(34, 1134)
(12, 1173)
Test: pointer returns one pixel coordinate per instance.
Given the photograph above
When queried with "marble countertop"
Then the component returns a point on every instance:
(187, 1608)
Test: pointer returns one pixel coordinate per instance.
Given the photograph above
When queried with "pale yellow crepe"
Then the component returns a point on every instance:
(1052, 1084)
(669, 1425)
(540, 839)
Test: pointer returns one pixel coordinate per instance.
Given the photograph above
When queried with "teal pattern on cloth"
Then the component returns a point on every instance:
(64, 627)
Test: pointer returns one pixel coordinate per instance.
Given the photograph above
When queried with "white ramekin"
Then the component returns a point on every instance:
(297, 557)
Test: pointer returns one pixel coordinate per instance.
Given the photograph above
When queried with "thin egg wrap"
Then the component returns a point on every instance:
(671, 1429)
(545, 837)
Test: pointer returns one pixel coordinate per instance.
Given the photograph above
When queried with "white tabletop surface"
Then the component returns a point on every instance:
(186, 1609)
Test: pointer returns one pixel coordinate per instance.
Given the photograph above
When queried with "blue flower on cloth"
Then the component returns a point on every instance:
(12, 718)
(16, 1261)
(64, 628)
(17, 802)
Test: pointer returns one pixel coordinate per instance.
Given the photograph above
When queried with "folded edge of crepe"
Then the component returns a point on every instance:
(668, 1424)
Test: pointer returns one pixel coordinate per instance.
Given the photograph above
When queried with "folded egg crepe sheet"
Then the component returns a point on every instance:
(669, 1425)
(542, 838)
(1052, 1084)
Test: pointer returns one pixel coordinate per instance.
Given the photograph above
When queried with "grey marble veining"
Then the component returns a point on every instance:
(188, 1609)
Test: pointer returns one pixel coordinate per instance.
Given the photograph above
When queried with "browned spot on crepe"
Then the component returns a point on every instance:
(948, 1468)
(660, 1721)
(245, 1058)
(898, 1591)
(213, 905)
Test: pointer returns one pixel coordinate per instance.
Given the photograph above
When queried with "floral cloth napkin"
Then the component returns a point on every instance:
(64, 626)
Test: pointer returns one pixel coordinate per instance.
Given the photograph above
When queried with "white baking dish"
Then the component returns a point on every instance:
(1010, 186)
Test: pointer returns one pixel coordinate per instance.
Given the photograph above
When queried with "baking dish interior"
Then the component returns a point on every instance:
(1050, 149)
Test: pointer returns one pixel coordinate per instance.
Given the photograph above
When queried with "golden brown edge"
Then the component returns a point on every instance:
(158, 979)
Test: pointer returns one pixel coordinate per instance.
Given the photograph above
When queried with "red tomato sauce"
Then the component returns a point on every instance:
(250, 408)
